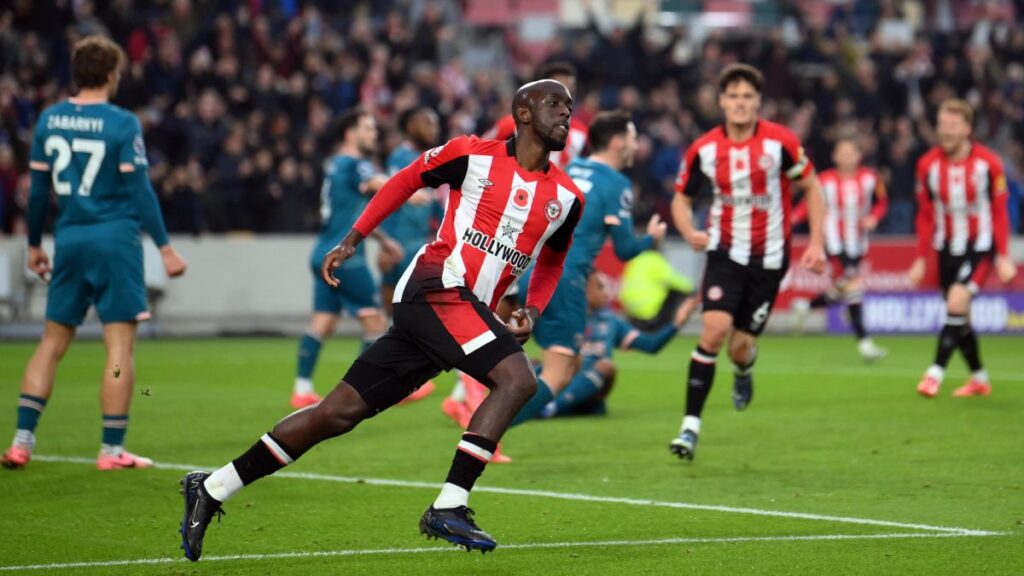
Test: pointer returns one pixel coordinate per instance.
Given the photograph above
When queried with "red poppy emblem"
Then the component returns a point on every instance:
(521, 198)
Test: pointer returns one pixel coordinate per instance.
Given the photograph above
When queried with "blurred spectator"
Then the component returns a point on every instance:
(236, 97)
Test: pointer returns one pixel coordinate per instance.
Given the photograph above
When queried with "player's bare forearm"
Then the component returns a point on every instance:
(815, 201)
(682, 215)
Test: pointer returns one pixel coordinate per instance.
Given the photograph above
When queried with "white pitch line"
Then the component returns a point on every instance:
(580, 498)
(530, 546)
(909, 374)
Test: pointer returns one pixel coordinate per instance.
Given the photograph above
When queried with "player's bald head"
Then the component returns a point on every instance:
(528, 95)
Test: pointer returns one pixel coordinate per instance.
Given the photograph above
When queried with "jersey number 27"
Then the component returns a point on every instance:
(96, 150)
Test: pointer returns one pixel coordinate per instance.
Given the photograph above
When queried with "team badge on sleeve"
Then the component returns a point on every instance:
(432, 153)
(799, 164)
(139, 147)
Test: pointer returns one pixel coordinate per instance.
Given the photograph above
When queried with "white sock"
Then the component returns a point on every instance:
(936, 371)
(303, 386)
(691, 423)
(981, 376)
(451, 496)
(459, 390)
(25, 439)
(224, 483)
(112, 449)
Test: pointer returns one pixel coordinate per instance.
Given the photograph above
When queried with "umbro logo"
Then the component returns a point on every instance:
(485, 183)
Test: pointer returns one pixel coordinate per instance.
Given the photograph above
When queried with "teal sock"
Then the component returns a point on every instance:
(115, 426)
(581, 389)
(534, 406)
(309, 351)
(30, 408)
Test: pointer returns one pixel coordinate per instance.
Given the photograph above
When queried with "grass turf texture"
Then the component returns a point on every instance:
(824, 435)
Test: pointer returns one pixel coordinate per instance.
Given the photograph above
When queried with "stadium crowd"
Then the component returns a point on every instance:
(237, 96)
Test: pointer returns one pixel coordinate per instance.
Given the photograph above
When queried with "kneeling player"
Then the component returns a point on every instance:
(606, 331)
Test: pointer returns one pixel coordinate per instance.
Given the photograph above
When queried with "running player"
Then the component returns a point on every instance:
(508, 206)
(349, 182)
(962, 215)
(505, 127)
(751, 165)
(855, 202)
(605, 332)
(91, 154)
(610, 213)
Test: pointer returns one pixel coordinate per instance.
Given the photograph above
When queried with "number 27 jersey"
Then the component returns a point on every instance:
(83, 147)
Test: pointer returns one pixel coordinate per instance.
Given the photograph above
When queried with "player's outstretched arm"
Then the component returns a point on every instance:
(653, 342)
(627, 246)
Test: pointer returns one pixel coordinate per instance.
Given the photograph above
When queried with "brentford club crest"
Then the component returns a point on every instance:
(766, 162)
(553, 210)
(715, 293)
(521, 198)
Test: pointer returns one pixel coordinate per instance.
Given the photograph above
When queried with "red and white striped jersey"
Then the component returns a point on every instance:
(962, 205)
(750, 216)
(848, 201)
(505, 128)
(499, 218)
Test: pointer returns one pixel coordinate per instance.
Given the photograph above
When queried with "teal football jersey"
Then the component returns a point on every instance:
(85, 146)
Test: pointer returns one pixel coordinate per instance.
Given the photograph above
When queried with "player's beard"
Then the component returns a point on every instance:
(553, 143)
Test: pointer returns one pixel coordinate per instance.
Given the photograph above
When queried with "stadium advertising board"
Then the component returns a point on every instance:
(892, 305)
(925, 312)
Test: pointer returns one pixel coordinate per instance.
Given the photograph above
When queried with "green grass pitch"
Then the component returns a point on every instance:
(879, 481)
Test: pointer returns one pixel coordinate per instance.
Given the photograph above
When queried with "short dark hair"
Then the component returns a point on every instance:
(556, 69)
(93, 59)
(740, 73)
(348, 120)
(407, 116)
(605, 126)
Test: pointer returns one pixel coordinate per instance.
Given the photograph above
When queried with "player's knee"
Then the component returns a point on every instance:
(338, 417)
(606, 368)
(742, 350)
(523, 386)
(713, 338)
(958, 301)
